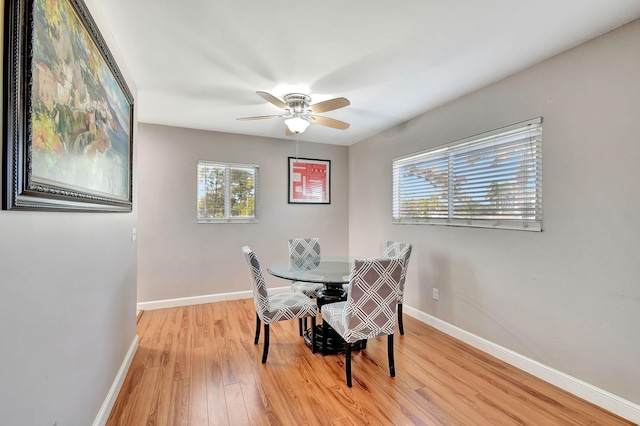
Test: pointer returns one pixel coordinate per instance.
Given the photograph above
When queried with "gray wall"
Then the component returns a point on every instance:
(67, 309)
(568, 297)
(178, 257)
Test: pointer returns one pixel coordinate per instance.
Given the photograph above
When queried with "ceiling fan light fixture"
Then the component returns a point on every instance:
(300, 113)
(297, 124)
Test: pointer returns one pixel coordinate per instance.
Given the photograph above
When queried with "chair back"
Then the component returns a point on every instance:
(402, 251)
(372, 298)
(300, 248)
(258, 283)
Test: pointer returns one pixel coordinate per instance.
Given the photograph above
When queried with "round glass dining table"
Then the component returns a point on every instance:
(323, 269)
(333, 272)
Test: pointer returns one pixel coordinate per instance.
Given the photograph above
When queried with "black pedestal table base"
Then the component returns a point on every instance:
(335, 343)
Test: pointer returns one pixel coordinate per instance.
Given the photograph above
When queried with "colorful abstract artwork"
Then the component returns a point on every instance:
(69, 142)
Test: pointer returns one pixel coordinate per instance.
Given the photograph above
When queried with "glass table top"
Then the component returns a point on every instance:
(324, 269)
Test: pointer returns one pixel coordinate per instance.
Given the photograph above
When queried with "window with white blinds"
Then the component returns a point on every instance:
(227, 192)
(492, 180)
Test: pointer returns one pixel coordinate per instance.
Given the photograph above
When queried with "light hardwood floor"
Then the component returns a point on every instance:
(197, 365)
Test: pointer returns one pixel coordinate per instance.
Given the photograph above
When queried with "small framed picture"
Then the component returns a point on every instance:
(309, 181)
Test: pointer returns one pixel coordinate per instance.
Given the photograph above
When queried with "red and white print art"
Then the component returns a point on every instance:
(309, 180)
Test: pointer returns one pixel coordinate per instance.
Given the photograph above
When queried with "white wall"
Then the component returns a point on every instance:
(67, 308)
(180, 258)
(568, 297)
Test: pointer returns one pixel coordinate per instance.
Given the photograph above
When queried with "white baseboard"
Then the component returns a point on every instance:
(207, 298)
(107, 405)
(606, 400)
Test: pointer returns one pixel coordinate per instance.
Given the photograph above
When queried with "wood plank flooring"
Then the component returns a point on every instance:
(197, 365)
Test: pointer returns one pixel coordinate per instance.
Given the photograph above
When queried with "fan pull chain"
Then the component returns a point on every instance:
(296, 145)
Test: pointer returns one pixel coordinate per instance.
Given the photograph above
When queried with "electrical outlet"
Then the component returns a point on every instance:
(435, 294)
(134, 234)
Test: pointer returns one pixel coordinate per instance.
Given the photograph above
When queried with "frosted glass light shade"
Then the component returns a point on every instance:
(297, 124)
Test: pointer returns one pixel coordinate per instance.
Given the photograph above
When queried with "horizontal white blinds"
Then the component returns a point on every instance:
(227, 192)
(490, 180)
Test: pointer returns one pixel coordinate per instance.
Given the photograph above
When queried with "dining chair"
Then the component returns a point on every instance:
(303, 251)
(370, 308)
(279, 307)
(403, 251)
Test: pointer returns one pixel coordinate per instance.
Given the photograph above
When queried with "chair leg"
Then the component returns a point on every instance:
(300, 324)
(314, 348)
(324, 337)
(347, 362)
(392, 366)
(265, 351)
(255, 342)
(400, 324)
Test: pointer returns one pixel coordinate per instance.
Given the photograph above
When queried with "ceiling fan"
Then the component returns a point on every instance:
(300, 114)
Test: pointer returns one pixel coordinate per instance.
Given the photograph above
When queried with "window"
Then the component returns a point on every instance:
(227, 192)
(492, 180)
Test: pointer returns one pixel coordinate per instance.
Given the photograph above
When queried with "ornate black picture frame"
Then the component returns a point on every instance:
(68, 113)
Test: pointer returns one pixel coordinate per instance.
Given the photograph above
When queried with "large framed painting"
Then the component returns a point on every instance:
(309, 181)
(68, 113)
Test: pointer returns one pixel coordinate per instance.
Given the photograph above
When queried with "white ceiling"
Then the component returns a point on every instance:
(198, 63)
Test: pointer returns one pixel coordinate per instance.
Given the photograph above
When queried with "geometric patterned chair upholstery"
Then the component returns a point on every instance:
(403, 251)
(302, 250)
(278, 307)
(370, 308)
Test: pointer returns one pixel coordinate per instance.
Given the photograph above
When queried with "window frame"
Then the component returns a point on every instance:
(446, 154)
(228, 166)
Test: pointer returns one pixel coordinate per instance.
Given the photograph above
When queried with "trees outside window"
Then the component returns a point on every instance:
(227, 192)
(490, 180)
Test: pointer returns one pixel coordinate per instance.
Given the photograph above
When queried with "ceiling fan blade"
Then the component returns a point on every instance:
(270, 98)
(329, 105)
(260, 117)
(329, 122)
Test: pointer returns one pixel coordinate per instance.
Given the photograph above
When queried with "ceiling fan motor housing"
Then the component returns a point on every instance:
(298, 103)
